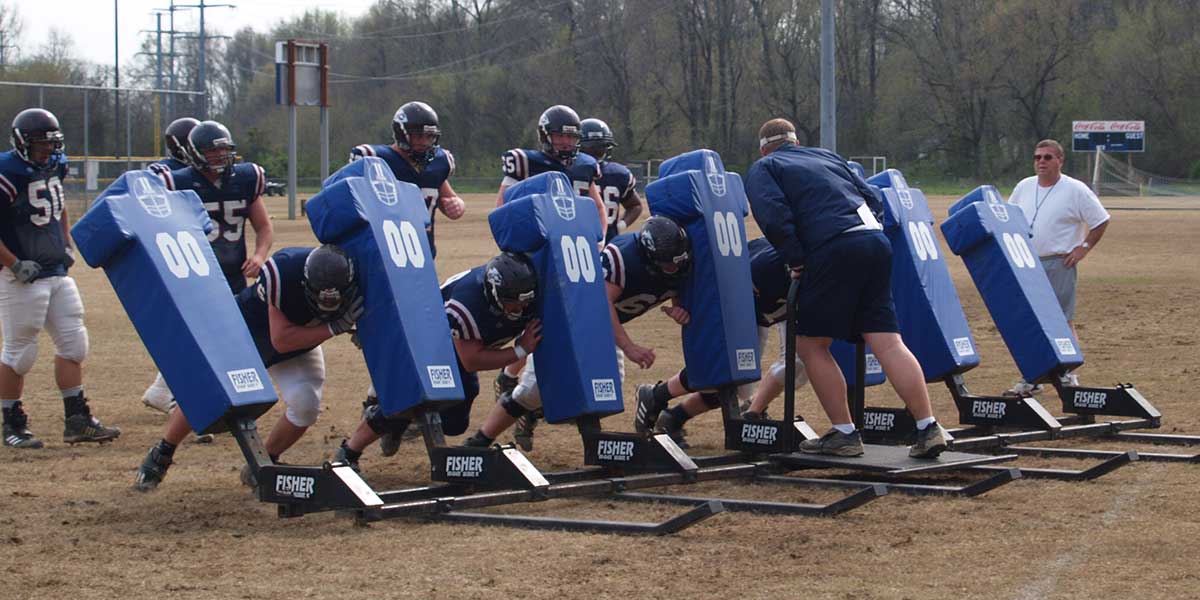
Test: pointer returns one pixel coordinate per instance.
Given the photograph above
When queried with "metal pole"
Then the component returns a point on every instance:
(128, 135)
(116, 80)
(292, 162)
(86, 125)
(203, 56)
(828, 80)
(171, 65)
(324, 143)
(41, 97)
(158, 84)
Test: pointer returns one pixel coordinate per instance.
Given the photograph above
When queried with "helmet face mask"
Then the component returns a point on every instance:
(562, 120)
(37, 139)
(597, 139)
(510, 285)
(665, 248)
(176, 137)
(330, 284)
(211, 148)
(416, 131)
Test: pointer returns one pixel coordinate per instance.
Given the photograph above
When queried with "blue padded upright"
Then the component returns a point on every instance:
(153, 245)
(577, 357)
(928, 309)
(991, 236)
(380, 222)
(843, 354)
(720, 343)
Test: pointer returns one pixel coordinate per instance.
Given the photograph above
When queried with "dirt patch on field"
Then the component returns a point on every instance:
(71, 527)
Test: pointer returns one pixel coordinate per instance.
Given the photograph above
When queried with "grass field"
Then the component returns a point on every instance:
(70, 527)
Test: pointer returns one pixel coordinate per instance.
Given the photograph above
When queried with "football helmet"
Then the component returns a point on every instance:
(559, 119)
(204, 139)
(416, 117)
(37, 125)
(663, 243)
(510, 278)
(330, 283)
(597, 139)
(176, 136)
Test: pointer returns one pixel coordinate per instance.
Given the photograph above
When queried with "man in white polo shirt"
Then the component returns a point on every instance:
(1066, 220)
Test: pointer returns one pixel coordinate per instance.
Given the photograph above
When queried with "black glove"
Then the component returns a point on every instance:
(26, 270)
(348, 318)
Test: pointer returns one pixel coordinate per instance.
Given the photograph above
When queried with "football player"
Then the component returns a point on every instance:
(176, 138)
(415, 157)
(303, 297)
(230, 192)
(771, 279)
(35, 291)
(487, 307)
(559, 131)
(641, 271)
(617, 186)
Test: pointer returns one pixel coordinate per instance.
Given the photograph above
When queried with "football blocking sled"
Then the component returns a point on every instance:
(991, 237)
(153, 246)
(576, 359)
(380, 222)
(932, 321)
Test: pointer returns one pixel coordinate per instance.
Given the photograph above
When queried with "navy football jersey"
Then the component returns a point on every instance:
(227, 204)
(771, 282)
(641, 290)
(615, 182)
(472, 317)
(280, 284)
(166, 165)
(429, 178)
(521, 164)
(31, 205)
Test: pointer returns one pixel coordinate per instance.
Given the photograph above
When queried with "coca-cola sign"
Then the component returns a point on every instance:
(1105, 126)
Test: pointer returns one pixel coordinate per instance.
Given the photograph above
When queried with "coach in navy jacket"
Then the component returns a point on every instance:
(823, 219)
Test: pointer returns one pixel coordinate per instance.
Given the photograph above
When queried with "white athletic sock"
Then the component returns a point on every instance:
(926, 422)
(846, 428)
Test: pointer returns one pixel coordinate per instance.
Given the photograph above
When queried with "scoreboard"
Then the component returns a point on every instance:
(1109, 136)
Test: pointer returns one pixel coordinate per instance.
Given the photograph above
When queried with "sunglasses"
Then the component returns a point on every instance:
(1037, 157)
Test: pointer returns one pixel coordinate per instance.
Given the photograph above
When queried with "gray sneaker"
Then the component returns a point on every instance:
(647, 413)
(835, 443)
(248, 476)
(931, 442)
(154, 468)
(389, 443)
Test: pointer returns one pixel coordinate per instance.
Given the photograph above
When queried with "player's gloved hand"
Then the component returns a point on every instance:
(69, 257)
(678, 313)
(346, 322)
(26, 270)
(532, 336)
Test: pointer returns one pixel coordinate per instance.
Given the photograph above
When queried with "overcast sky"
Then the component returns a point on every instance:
(90, 22)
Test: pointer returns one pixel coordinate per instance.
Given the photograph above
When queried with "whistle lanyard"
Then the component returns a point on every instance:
(1037, 208)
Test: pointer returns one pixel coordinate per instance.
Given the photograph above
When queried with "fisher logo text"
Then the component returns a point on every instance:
(873, 366)
(745, 360)
(245, 380)
(464, 466)
(988, 409)
(877, 421)
(1086, 399)
(759, 434)
(1065, 346)
(440, 376)
(962, 345)
(295, 486)
(615, 450)
(604, 390)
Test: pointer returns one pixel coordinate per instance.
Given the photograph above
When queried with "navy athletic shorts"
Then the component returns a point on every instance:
(846, 288)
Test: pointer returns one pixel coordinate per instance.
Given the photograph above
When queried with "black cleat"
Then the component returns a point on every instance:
(153, 470)
(345, 455)
(647, 413)
(478, 441)
(83, 427)
(523, 430)
(665, 423)
(16, 434)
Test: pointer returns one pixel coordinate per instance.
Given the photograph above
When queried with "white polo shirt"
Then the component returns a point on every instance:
(1060, 215)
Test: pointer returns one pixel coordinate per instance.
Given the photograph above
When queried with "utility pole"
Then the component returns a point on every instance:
(202, 72)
